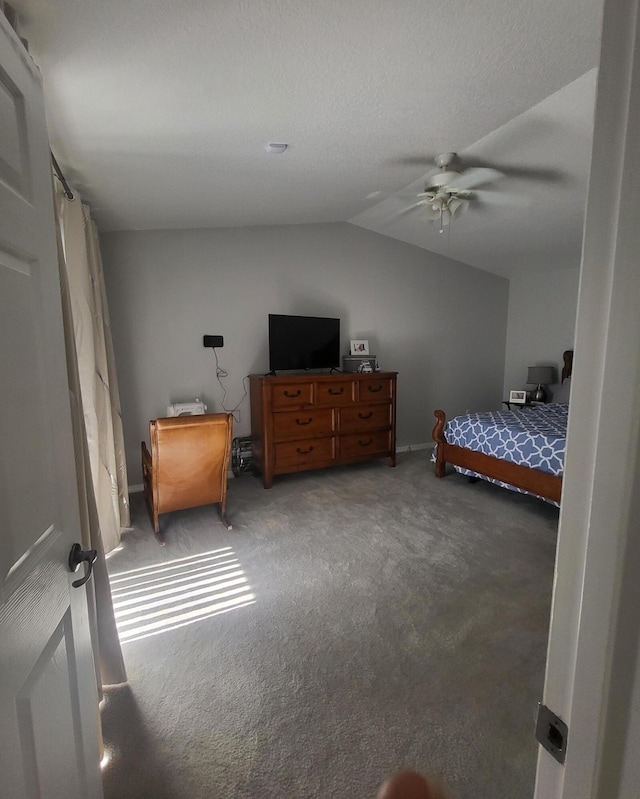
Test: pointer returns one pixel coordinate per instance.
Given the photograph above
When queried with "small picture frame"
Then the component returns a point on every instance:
(518, 397)
(359, 347)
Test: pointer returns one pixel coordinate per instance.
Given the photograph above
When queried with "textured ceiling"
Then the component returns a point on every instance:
(159, 112)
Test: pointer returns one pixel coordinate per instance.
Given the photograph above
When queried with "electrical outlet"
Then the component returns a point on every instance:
(213, 341)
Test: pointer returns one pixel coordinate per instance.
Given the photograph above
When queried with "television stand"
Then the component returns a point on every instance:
(301, 422)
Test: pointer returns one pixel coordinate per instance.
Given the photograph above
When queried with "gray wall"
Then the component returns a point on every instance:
(542, 320)
(440, 324)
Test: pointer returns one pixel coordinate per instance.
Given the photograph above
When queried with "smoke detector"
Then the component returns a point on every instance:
(275, 147)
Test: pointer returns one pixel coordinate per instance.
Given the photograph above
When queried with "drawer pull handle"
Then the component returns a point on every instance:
(297, 394)
(365, 415)
(374, 389)
(336, 391)
(300, 422)
(304, 451)
(365, 443)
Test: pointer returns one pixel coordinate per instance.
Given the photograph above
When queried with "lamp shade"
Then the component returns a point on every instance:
(541, 375)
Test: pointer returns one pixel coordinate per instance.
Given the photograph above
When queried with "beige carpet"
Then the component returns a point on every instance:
(354, 622)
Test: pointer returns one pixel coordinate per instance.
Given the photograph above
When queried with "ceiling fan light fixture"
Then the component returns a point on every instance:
(432, 212)
(457, 206)
(448, 193)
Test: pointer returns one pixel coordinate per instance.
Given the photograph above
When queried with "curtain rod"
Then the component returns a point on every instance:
(61, 177)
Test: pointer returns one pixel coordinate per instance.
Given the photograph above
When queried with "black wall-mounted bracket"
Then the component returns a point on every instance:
(552, 733)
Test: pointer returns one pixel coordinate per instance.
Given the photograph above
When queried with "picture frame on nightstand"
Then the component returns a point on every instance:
(518, 397)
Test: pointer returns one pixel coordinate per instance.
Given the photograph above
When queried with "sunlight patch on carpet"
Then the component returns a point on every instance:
(164, 596)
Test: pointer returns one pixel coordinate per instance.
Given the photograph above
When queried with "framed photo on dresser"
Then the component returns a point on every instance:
(359, 347)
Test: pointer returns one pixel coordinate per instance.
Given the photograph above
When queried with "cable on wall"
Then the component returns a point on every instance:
(221, 373)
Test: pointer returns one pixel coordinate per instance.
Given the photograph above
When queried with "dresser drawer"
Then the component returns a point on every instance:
(305, 423)
(291, 395)
(363, 445)
(375, 388)
(304, 453)
(340, 392)
(364, 417)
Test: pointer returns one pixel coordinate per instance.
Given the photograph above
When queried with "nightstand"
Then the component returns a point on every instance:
(517, 405)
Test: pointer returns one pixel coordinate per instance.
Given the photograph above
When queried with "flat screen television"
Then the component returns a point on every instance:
(303, 342)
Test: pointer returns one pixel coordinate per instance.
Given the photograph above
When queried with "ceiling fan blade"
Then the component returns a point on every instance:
(511, 170)
(414, 160)
(500, 199)
(410, 192)
(535, 173)
(404, 211)
(476, 177)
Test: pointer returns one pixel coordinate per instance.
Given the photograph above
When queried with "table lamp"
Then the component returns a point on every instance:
(540, 376)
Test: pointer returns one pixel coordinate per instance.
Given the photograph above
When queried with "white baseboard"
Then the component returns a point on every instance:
(136, 489)
(415, 447)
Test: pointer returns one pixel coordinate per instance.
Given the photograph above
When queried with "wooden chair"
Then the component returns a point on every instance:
(188, 464)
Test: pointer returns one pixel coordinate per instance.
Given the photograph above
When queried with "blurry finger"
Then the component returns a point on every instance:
(409, 785)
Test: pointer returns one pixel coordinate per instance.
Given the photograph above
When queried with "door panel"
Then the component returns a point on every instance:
(48, 697)
(24, 415)
(14, 159)
(50, 680)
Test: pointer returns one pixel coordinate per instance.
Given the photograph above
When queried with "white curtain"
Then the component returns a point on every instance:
(96, 367)
(97, 424)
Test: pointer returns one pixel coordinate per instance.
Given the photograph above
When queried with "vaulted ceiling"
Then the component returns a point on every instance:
(159, 112)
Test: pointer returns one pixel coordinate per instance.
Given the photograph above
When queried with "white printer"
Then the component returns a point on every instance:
(195, 408)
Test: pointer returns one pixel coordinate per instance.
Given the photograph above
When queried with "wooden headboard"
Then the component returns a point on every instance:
(567, 357)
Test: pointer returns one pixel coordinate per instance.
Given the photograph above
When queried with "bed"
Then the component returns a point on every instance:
(522, 450)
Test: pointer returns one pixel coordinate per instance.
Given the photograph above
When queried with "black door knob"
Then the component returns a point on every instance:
(77, 557)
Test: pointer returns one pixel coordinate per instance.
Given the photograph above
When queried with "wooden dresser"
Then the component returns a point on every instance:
(311, 421)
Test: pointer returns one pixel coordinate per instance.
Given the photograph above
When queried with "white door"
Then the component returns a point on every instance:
(593, 665)
(48, 699)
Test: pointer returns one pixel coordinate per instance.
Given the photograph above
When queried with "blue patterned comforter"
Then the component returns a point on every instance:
(533, 437)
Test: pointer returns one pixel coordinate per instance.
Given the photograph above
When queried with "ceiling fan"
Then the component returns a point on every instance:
(447, 192)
